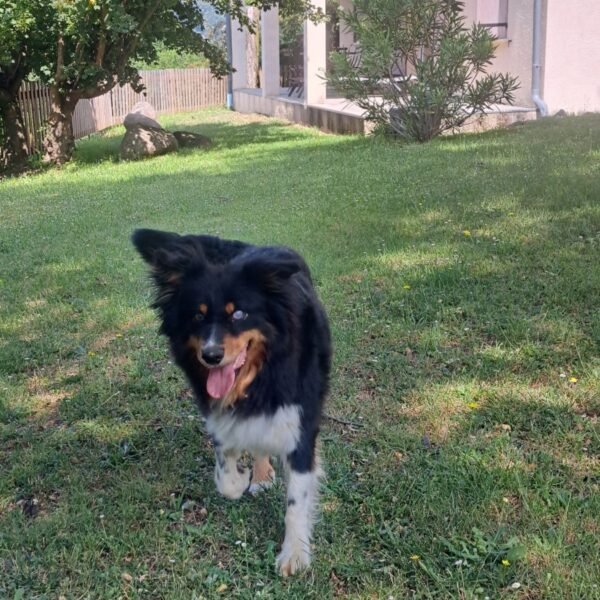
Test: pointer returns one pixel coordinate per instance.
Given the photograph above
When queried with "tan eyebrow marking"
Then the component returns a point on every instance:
(203, 309)
(230, 308)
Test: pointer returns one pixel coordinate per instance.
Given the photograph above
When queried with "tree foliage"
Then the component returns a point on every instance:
(86, 47)
(20, 49)
(421, 70)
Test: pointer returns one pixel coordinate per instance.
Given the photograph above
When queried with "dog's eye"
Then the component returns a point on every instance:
(239, 315)
(198, 317)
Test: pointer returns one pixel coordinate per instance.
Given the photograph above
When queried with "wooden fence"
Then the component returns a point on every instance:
(168, 90)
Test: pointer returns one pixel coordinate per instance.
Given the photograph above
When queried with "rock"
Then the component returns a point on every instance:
(144, 108)
(134, 119)
(140, 141)
(186, 139)
(142, 113)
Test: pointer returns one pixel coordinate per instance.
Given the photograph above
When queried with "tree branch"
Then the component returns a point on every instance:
(60, 57)
(101, 48)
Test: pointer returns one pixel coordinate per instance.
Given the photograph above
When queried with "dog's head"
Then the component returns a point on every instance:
(228, 314)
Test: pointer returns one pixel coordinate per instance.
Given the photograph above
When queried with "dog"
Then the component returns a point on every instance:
(246, 327)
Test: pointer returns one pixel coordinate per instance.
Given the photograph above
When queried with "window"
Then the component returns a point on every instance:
(494, 15)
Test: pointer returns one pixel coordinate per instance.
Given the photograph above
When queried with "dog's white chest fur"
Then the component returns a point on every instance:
(276, 434)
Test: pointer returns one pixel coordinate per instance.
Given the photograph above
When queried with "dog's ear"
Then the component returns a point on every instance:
(149, 241)
(271, 268)
(170, 256)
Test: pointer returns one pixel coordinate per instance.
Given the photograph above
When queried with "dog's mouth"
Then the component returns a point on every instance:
(221, 378)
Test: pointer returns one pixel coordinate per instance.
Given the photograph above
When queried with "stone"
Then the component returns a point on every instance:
(140, 141)
(187, 139)
(144, 108)
(142, 113)
(134, 119)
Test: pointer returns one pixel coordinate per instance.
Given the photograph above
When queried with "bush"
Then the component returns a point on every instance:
(420, 70)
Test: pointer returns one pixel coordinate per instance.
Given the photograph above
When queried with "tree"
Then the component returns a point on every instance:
(96, 44)
(18, 45)
(420, 70)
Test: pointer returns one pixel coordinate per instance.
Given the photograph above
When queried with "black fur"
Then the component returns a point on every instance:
(274, 287)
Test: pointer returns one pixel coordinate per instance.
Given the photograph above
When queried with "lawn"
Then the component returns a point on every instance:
(462, 280)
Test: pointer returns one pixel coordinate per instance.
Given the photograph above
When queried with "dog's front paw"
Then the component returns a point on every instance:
(294, 557)
(232, 483)
(263, 475)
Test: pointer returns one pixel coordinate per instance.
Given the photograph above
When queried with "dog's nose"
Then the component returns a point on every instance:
(212, 355)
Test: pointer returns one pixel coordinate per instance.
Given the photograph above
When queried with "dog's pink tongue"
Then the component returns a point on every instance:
(221, 379)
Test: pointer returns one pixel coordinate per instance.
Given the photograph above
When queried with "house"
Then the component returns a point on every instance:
(552, 46)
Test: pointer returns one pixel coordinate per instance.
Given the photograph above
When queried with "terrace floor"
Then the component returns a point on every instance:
(340, 115)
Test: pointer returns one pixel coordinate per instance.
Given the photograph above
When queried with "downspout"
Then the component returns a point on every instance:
(537, 66)
(229, 101)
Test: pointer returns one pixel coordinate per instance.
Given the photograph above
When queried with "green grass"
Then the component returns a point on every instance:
(462, 281)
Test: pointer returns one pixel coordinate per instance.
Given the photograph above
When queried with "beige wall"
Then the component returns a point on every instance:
(513, 55)
(571, 79)
(570, 51)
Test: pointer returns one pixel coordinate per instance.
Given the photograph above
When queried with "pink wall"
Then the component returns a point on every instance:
(571, 79)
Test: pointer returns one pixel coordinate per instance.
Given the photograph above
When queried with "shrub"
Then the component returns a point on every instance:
(419, 69)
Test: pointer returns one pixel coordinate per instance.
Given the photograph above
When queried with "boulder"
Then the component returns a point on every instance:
(144, 108)
(186, 139)
(134, 119)
(140, 141)
(142, 113)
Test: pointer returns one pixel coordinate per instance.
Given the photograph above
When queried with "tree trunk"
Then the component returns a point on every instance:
(59, 141)
(15, 148)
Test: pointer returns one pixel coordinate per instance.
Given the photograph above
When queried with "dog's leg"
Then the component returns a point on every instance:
(231, 480)
(263, 474)
(302, 493)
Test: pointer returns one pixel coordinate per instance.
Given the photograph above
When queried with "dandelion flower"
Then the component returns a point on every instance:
(473, 405)
(415, 557)
(406, 286)
(466, 233)
(572, 379)
(505, 562)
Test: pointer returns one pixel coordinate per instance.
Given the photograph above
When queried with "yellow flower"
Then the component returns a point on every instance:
(573, 379)
(406, 286)
(466, 233)
(505, 562)
(415, 557)
(91, 353)
(473, 405)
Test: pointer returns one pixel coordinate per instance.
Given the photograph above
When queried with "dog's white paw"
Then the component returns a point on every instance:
(263, 475)
(232, 483)
(294, 557)
(257, 488)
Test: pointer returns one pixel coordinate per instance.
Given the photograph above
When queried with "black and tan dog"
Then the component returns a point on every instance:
(246, 327)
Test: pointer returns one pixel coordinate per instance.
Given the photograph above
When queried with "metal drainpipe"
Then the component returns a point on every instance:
(229, 102)
(537, 67)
